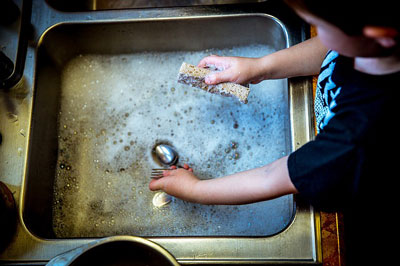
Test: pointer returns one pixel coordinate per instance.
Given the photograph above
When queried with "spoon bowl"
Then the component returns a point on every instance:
(166, 154)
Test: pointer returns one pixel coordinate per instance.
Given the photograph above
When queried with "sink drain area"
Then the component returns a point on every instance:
(114, 108)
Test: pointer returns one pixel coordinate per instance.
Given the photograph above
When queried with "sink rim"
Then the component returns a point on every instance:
(94, 8)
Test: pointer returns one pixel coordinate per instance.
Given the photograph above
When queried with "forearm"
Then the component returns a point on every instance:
(303, 59)
(254, 185)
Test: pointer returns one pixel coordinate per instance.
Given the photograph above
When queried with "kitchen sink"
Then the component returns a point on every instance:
(96, 117)
(89, 5)
(105, 92)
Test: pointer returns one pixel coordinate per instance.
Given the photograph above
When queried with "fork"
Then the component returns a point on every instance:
(157, 173)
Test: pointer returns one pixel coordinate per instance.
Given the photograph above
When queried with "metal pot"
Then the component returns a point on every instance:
(116, 251)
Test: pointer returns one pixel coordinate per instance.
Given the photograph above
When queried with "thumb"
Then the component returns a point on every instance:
(156, 184)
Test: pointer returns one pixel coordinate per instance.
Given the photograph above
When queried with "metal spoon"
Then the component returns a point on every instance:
(166, 154)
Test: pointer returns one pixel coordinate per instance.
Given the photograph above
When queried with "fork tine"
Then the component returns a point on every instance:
(157, 173)
(158, 170)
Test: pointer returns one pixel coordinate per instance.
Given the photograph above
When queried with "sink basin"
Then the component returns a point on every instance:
(78, 5)
(106, 94)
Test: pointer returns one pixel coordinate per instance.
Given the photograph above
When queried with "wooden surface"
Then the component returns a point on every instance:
(332, 239)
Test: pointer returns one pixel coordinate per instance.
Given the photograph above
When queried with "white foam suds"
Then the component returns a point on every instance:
(115, 108)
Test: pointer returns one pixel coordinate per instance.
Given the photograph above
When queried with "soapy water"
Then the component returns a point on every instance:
(115, 108)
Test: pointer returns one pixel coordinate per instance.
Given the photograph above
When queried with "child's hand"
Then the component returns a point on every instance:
(241, 70)
(177, 182)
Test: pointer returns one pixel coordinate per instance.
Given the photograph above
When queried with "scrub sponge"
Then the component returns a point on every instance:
(194, 76)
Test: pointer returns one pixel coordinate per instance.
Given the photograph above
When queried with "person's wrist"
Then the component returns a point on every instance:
(197, 191)
(265, 69)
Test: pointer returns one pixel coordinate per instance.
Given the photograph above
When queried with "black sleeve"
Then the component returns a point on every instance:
(325, 171)
(319, 171)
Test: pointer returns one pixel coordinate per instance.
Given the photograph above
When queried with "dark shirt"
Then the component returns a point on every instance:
(351, 164)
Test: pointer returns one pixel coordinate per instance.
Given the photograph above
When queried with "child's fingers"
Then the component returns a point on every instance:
(209, 60)
(218, 77)
(187, 167)
(166, 172)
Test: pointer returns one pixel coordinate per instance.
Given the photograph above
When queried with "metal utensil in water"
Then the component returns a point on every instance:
(166, 154)
(161, 199)
(157, 173)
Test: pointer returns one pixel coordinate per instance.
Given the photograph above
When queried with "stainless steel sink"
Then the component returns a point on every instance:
(85, 139)
(90, 127)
